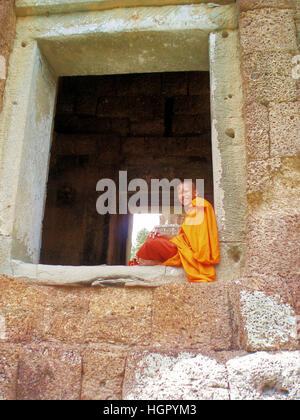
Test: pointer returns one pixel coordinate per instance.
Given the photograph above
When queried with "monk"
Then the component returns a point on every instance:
(195, 248)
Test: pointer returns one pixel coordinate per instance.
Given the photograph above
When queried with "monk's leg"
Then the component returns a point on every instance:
(156, 250)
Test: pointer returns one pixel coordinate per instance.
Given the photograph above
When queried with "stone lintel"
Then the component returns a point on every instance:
(42, 7)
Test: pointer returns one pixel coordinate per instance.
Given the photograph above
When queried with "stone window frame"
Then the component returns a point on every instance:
(43, 48)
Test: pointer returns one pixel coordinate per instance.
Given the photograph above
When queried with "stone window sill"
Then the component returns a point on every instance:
(101, 275)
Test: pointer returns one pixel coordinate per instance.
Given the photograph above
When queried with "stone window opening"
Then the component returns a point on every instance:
(188, 38)
(152, 125)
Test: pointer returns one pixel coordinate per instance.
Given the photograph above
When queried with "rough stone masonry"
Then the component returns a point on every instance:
(232, 339)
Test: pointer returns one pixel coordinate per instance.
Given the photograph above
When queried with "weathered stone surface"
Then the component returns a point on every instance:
(157, 375)
(7, 32)
(22, 310)
(49, 372)
(260, 29)
(65, 315)
(102, 373)
(258, 4)
(192, 315)
(268, 77)
(38, 7)
(185, 376)
(233, 260)
(263, 314)
(257, 130)
(259, 174)
(8, 370)
(273, 237)
(265, 376)
(284, 129)
(118, 315)
(228, 151)
(103, 275)
(272, 184)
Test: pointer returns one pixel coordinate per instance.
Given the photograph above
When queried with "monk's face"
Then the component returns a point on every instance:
(186, 192)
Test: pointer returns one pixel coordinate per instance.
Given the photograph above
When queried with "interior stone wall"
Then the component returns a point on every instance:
(154, 125)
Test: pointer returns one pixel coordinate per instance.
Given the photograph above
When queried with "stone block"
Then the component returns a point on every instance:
(188, 125)
(258, 174)
(263, 314)
(49, 372)
(192, 315)
(102, 373)
(198, 83)
(92, 85)
(257, 131)
(191, 105)
(258, 4)
(149, 127)
(73, 124)
(65, 104)
(273, 237)
(267, 30)
(178, 147)
(265, 376)
(120, 126)
(158, 375)
(138, 84)
(234, 375)
(268, 77)
(199, 146)
(174, 84)
(118, 315)
(133, 146)
(9, 355)
(233, 255)
(65, 315)
(81, 144)
(133, 107)
(284, 129)
(22, 310)
(86, 105)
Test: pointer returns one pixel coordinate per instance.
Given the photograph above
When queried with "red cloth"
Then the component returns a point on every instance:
(157, 248)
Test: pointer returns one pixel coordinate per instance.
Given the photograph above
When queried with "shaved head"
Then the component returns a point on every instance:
(186, 192)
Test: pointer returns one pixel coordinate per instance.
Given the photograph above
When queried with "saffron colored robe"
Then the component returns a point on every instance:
(197, 244)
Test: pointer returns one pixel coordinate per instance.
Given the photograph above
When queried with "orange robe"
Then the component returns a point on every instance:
(157, 249)
(197, 243)
(196, 247)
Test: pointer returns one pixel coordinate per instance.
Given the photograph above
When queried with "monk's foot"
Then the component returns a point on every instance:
(146, 262)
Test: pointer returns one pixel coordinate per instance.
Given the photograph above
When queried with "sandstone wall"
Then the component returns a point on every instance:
(107, 342)
(272, 115)
(7, 31)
